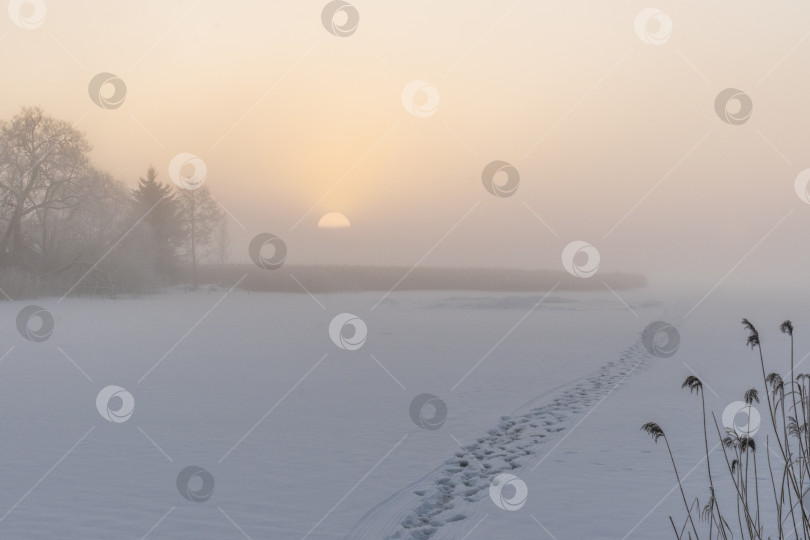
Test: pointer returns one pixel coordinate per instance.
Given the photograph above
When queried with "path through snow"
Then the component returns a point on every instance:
(439, 505)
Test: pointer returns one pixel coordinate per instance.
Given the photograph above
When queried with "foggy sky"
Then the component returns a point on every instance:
(616, 141)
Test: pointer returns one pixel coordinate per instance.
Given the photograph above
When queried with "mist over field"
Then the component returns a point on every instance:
(404, 270)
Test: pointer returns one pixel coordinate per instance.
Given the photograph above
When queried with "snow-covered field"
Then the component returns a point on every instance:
(303, 439)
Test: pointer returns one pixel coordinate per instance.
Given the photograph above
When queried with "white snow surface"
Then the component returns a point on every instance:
(306, 440)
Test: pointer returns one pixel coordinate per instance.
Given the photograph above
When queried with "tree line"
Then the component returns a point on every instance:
(67, 227)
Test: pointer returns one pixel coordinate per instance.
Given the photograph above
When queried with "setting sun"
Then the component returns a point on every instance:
(334, 220)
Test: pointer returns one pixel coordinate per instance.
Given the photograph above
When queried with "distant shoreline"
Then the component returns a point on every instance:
(334, 278)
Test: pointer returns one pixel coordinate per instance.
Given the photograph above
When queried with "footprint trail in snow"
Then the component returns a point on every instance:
(438, 505)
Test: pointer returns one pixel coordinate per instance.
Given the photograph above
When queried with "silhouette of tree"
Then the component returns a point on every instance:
(158, 203)
(43, 167)
(200, 215)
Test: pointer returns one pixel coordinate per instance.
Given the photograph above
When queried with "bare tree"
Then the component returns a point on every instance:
(43, 166)
(200, 215)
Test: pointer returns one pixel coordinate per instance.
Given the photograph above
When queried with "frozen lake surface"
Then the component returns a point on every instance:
(303, 439)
